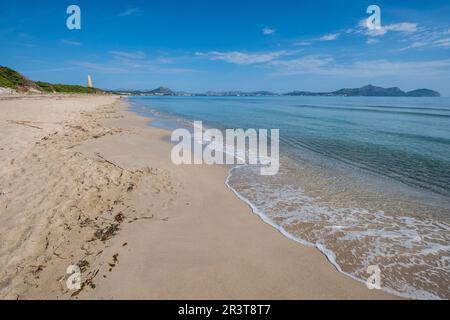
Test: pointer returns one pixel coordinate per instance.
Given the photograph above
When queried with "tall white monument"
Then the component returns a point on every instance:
(90, 81)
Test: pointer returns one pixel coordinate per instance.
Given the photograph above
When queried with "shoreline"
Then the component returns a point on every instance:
(394, 218)
(183, 235)
(328, 254)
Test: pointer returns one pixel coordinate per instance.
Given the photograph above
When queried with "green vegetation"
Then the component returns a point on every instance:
(13, 80)
(65, 88)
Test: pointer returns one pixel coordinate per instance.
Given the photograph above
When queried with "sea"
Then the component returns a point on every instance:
(365, 180)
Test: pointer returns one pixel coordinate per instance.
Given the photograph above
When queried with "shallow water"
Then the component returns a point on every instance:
(366, 180)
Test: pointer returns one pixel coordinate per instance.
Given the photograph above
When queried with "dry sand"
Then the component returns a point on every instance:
(83, 181)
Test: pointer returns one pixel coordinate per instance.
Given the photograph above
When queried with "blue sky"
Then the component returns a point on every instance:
(230, 45)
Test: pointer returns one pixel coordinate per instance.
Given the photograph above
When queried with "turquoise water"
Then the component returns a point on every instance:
(365, 180)
(406, 139)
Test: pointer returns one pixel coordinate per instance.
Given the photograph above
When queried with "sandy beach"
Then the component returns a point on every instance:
(85, 182)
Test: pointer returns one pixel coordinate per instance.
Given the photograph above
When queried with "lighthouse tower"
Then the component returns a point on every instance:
(90, 81)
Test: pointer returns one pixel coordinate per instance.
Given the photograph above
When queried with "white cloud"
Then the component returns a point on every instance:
(130, 66)
(99, 67)
(285, 63)
(403, 27)
(128, 55)
(330, 37)
(130, 12)
(26, 40)
(443, 43)
(428, 38)
(135, 62)
(401, 68)
(268, 31)
(70, 42)
(372, 41)
(243, 58)
(302, 65)
(27, 36)
(50, 70)
(326, 65)
(303, 43)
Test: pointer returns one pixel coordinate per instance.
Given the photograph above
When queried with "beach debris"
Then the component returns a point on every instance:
(80, 128)
(131, 221)
(73, 146)
(86, 222)
(83, 265)
(111, 163)
(119, 218)
(25, 123)
(89, 282)
(37, 270)
(131, 187)
(114, 263)
(47, 241)
(107, 232)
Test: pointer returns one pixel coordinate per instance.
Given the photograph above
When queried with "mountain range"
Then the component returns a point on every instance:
(370, 91)
(366, 91)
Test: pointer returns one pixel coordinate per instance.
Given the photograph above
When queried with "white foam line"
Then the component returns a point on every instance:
(324, 250)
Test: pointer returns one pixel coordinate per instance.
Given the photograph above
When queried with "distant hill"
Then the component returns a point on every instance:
(366, 91)
(239, 93)
(163, 91)
(423, 93)
(370, 91)
(12, 80)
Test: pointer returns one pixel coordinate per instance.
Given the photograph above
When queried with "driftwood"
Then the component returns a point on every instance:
(111, 163)
(25, 123)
